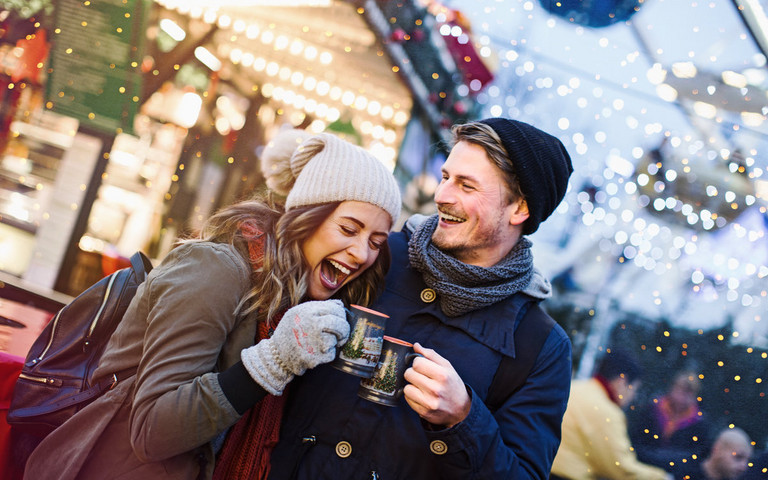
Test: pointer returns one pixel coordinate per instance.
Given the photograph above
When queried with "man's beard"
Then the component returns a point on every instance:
(466, 248)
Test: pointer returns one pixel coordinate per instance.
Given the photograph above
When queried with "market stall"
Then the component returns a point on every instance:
(132, 146)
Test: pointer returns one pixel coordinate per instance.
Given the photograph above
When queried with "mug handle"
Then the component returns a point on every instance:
(411, 356)
(408, 359)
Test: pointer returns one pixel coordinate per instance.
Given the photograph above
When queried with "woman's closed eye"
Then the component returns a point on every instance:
(377, 244)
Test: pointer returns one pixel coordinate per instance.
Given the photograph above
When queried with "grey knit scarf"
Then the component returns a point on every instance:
(463, 288)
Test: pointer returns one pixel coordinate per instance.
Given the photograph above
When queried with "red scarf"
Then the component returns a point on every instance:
(606, 384)
(246, 450)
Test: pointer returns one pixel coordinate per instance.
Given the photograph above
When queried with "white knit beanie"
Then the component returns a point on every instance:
(328, 169)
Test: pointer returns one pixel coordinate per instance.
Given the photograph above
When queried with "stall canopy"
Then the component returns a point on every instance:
(358, 67)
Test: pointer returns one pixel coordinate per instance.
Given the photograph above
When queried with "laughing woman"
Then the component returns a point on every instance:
(205, 332)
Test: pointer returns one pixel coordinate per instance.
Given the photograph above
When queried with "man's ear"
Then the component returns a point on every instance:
(518, 212)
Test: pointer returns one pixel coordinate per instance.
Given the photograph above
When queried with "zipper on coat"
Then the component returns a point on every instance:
(307, 442)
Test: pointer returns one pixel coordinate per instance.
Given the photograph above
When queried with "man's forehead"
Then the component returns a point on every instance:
(467, 157)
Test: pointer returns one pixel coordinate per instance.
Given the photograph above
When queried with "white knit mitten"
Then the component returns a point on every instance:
(306, 337)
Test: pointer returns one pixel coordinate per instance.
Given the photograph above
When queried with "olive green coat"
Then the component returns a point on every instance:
(179, 328)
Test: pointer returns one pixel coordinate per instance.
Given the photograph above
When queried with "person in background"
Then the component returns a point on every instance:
(463, 287)
(595, 441)
(672, 427)
(727, 460)
(205, 334)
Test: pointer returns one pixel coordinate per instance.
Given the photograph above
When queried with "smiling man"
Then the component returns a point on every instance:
(487, 396)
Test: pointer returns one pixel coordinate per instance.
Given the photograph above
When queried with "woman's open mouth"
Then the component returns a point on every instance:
(333, 274)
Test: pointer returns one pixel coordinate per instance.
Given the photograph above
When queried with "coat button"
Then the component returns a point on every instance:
(343, 449)
(438, 447)
(428, 295)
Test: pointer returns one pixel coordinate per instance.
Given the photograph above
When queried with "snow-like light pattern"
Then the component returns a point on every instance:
(666, 137)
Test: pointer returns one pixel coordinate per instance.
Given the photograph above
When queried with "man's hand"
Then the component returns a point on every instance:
(434, 390)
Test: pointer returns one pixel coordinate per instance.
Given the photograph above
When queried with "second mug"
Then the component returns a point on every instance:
(386, 385)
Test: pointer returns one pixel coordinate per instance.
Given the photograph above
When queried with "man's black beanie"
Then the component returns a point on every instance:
(541, 163)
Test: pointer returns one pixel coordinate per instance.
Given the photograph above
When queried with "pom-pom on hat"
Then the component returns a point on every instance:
(276, 156)
(328, 169)
(541, 163)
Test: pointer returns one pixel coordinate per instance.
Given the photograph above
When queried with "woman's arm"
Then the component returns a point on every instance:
(179, 403)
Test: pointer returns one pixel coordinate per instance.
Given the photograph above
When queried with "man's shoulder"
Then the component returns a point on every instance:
(556, 336)
(398, 241)
(559, 337)
(414, 222)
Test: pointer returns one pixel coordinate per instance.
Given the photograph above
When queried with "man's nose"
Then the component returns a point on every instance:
(444, 193)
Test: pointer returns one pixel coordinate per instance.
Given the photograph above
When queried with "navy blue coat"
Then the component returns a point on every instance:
(329, 432)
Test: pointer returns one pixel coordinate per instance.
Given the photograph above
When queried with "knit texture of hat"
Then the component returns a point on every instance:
(541, 163)
(329, 169)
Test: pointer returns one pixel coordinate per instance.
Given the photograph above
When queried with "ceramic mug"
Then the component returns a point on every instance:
(360, 354)
(387, 383)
